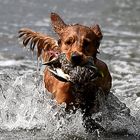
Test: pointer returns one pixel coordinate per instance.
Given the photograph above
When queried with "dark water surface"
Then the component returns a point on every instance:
(25, 110)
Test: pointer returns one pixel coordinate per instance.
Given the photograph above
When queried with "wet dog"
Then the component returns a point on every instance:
(72, 57)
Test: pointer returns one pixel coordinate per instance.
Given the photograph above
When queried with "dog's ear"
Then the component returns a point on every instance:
(96, 29)
(57, 23)
(42, 42)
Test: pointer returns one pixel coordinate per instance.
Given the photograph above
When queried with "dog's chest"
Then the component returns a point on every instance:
(82, 79)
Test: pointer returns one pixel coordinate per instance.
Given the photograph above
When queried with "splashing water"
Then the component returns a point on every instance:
(24, 105)
(27, 112)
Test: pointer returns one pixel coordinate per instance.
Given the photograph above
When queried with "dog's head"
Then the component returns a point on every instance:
(78, 42)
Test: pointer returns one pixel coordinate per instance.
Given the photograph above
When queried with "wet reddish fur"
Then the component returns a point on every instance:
(72, 39)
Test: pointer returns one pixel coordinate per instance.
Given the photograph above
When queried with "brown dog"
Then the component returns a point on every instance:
(77, 42)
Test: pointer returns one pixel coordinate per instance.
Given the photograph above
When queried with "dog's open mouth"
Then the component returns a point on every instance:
(64, 71)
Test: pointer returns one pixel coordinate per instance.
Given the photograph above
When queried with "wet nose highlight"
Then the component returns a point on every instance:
(76, 58)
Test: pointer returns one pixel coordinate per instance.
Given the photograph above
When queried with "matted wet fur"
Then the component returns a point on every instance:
(44, 43)
(86, 80)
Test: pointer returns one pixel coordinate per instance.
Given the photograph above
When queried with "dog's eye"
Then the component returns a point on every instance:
(69, 41)
(86, 43)
(59, 42)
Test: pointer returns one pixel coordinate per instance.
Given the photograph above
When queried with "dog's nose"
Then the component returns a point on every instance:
(76, 58)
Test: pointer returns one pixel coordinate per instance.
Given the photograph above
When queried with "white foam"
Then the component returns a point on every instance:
(4, 63)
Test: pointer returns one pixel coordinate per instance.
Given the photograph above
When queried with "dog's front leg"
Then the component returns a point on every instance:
(89, 123)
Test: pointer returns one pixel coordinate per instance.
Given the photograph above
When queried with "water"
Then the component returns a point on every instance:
(26, 112)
